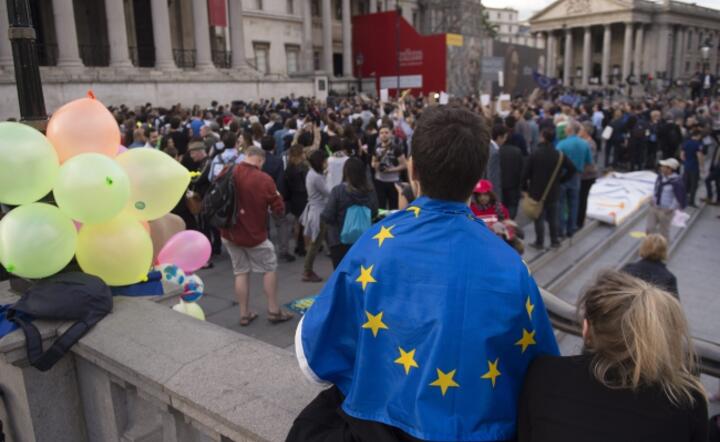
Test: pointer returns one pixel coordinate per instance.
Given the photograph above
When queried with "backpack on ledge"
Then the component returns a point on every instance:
(76, 296)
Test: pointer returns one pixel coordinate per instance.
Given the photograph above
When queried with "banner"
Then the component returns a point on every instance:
(217, 13)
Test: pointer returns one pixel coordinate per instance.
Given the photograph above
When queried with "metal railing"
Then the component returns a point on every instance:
(184, 58)
(47, 54)
(222, 59)
(142, 56)
(95, 55)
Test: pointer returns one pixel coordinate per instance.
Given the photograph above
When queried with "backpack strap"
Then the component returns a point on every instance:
(43, 361)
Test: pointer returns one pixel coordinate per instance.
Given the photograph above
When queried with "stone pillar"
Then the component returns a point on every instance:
(662, 56)
(587, 54)
(373, 6)
(551, 54)
(714, 53)
(568, 61)
(203, 49)
(347, 40)
(607, 45)
(678, 53)
(237, 34)
(161, 35)
(308, 64)
(327, 55)
(627, 51)
(68, 53)
(117, 34)
(639, 51)
(6, 58)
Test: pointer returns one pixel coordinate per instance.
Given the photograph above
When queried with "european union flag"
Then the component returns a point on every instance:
(544, 81)
(428, 325)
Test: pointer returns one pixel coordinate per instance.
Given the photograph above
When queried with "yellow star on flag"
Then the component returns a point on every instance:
(529, 306)
(528, 339)
(374, 323)
(415, 210)
(444, 381)
(407, 359)
(365, 276)
(493, 371)
(385, 233)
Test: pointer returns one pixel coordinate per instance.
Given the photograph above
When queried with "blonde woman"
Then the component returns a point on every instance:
(651, 266)
(634, 383)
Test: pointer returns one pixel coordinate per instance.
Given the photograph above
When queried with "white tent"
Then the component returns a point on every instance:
(616, 196)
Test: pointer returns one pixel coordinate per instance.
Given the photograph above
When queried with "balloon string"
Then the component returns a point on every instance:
(91, 95)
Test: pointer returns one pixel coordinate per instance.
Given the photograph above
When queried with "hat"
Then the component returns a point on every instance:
(483, 186)
(196, 145)
(671, 163)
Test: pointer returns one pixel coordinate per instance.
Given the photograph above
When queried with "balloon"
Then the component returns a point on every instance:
(36, 240)
(157, 182)
(172, 273)
(193, 289)
(118, 251)
(92, 188)
(120, 149)
(82, 126)
(188, 250)
(190, 309)
(162, 229)
(28, 164)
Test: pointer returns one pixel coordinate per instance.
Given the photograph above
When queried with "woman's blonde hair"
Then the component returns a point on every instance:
(638, 336)
(654, 248)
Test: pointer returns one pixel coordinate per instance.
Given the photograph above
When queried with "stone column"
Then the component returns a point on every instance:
(568, 61)
(117, 34)
(6, 58)
(662, 56)
(161, 35)
(586, 60)
(373, 6)
(639, 51)
(678, 53)
(308, 64)
(237, 34)
(68, 53)
(347, 40)
(551, 45)
(714, 53)
(627, 51)
(327, 55)
(203, 49)
(607, 45)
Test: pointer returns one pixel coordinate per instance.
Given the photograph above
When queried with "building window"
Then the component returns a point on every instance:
(292, 53)
(259, 5)
(687, 66)
(316, 59)
(415, 19)
(315, 8)
(338, 9)
(291, 7)
(262, 57)
(689, 40)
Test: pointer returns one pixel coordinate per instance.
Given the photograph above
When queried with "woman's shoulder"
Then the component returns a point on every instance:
(548, 367)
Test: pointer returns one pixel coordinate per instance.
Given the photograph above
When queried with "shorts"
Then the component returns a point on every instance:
(258, 259)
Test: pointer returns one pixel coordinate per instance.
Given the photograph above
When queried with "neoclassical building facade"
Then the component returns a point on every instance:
(602, 42)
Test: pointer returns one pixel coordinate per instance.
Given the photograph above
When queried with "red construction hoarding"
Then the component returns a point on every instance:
(386, 47)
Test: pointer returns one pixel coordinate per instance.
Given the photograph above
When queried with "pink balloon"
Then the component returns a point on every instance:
(121, 149)
(78, 225)
(189, 250)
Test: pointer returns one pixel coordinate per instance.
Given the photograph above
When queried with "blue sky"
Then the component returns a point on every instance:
(528, 7)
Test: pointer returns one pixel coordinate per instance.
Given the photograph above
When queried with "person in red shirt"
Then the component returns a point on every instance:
(485, 205)
(247, 241)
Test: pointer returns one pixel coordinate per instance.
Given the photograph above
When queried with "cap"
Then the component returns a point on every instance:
(671, 163)
(483, 186)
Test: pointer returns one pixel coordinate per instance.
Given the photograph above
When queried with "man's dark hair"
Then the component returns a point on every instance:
(316, 160)
(174, 122)
(267, 142)
(355, 175)
(229, 140)
(510, 122)
(498, 131)
(450, 152)
(547, 134)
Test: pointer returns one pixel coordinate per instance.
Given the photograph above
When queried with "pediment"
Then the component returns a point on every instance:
(562, 9)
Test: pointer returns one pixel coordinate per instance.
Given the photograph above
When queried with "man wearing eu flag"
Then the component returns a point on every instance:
(427, 327)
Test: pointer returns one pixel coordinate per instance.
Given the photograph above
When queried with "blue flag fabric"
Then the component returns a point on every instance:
(544, 81)
(428, 325)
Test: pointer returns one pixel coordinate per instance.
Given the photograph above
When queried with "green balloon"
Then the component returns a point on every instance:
(36, 240)
(91, 188)
(28, 164)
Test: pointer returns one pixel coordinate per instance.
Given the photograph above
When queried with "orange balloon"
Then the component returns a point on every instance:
(146, 225)
(82, 126)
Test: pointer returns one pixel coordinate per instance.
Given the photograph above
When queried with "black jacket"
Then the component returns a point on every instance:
(538, 171)
(293, 189)
(655, 273)
(341, 198)
(511, 167)
(274, 167)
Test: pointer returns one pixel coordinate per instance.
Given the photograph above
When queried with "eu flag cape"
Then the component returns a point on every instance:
(428, 325)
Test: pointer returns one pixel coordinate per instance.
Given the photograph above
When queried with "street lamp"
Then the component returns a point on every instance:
(705, 53)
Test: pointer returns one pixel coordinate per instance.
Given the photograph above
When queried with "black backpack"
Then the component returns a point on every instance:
(218, 204)
(66, 297)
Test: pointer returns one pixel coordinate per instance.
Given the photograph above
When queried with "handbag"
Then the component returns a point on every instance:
(533, 208)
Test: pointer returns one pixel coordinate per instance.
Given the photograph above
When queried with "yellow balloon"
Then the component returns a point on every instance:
(28, 164)
(190, 309)
(36, 240)
(118, 251)
(157, 182)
